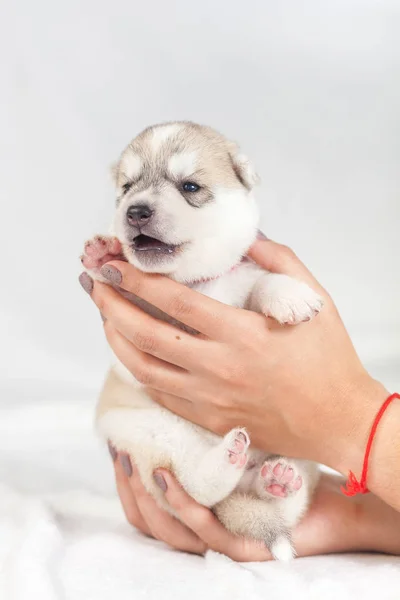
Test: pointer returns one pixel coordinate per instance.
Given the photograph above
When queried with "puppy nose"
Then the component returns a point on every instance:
(139, 215)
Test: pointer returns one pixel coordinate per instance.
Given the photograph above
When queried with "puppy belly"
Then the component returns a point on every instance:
(210, 468)
(133, 423)
(207, 466)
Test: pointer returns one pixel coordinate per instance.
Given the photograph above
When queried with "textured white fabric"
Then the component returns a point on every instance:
(63, 534)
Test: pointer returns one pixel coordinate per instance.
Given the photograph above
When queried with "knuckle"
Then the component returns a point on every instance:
(217, 424)
(205, 519)
(139, 491)
(162, 532)
(179, 306)
(249, 321)
(101, 302)
(132, 283)
(143, 374)
(109, 329)
(229, 373)
(132, 517)
(144, 341)
(154, 532)
(288, 256)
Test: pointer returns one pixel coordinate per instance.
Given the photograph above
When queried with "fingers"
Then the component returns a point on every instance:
(207, 527)
(127, 497)
(188, 410)
(148, 370)
(210, 317)
(197, 528)
(147, 333)
(142, 511)
(161, 524)
(278, 258)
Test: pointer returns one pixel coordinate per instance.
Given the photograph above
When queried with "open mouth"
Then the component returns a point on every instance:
(145, 243)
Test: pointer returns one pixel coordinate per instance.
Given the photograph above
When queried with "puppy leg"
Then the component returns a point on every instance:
(290, 483)
(279, 478)
(207, 467)
(257, 519)
(219, 470)
(285, 299)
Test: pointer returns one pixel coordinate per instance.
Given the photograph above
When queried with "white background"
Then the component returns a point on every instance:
(310, 89)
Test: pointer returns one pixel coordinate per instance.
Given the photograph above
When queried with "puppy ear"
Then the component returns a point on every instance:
(244, 170)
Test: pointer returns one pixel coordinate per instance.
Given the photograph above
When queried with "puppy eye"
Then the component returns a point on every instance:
(127, 186)
(189, 186)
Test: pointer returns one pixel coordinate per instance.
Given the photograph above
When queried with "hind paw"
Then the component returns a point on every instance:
(280, 478)
(237, 443)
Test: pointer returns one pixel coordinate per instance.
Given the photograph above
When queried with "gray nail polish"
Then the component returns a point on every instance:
(112, 274)
(160, 481)
(113, 452)
(86, 282)
(126, 464)
(261, 236)
(103, 318)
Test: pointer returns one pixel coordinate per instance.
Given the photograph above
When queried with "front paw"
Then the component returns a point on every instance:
(290, 301)
(100, 250)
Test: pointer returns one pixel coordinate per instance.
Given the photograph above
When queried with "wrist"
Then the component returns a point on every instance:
(354, 408)
(383, 475)
(384, 464)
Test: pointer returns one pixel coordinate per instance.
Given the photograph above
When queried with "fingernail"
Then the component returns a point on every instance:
(160, 481)
(113, 452)
(261, 236)
(103, 318)
(111, 273)
(126, 464)
(86, 282)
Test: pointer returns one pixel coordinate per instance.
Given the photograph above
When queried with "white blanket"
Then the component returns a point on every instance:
(63, 534)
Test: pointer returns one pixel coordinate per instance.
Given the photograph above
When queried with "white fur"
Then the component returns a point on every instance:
(282, 550)
(182, 164)
(285, 299)
(132, 165)
(213, 239)
(177, 222)
(162, 134)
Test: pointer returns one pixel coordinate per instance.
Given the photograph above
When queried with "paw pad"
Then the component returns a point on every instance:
(237, 444)
(100, 250)
(280, 478)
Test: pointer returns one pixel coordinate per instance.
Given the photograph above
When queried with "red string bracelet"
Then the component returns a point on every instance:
(354, 487)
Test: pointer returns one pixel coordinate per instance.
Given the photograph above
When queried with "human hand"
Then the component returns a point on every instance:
(296, 389)
(332, 524)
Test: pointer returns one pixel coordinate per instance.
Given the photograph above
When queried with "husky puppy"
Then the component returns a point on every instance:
(185, 208)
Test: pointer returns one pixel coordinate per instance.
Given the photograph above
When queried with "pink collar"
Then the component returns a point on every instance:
(207, 279)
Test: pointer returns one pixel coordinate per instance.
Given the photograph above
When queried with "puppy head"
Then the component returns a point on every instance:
(184, 202)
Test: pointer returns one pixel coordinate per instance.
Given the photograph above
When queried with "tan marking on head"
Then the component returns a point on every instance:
(218, 162)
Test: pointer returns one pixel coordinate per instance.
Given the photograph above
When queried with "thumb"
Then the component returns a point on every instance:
(278, 258)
